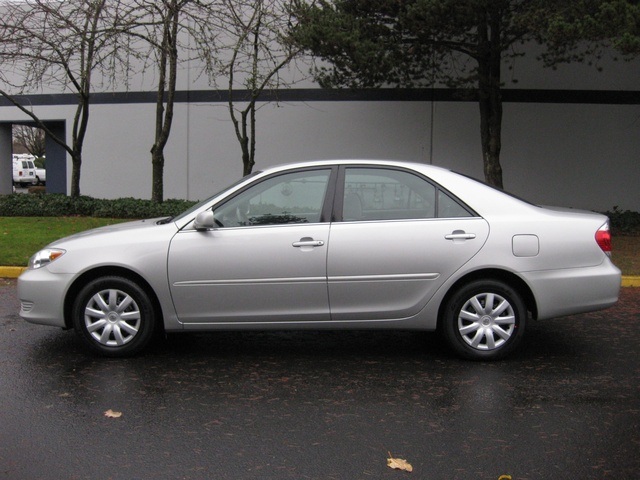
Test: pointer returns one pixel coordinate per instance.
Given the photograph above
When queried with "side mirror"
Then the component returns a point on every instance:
(204, 221)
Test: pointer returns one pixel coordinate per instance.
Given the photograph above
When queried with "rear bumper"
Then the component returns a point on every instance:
(574, 290)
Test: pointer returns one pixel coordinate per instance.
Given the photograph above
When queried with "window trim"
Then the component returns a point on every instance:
(338, 203)
(325, 211)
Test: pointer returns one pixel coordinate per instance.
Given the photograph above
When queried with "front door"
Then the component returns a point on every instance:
(265, 263)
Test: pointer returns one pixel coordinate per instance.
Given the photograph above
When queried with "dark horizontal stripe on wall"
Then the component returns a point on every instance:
(604, 97)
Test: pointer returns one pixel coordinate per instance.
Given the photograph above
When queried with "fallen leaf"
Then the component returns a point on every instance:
(111, 414)
(399, 464)
(504, 477)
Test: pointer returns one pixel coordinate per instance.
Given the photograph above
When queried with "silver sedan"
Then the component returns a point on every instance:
(348, 244)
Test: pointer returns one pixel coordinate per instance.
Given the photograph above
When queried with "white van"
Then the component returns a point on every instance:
(24, 170)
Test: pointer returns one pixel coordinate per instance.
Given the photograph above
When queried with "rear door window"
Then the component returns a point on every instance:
(389, 194)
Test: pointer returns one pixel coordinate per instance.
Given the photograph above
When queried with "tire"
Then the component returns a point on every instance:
(484, 320)
(114, 316)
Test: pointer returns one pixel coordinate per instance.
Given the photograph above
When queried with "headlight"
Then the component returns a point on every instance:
(45, 257)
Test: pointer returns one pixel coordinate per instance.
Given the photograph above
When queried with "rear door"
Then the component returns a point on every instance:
(400, 237)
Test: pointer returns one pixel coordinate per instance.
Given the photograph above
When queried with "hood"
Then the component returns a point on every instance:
(109, 229)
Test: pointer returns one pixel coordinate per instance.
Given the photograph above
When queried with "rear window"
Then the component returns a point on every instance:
(512, 195)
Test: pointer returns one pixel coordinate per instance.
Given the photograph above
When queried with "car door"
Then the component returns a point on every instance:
(266, 261)
(401, 236)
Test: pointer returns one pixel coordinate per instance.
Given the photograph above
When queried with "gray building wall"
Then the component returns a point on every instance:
(561, 144)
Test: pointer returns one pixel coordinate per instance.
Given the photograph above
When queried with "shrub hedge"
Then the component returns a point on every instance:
(624, 222)
(60, 205)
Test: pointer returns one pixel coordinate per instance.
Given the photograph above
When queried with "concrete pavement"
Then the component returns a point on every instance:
(323, 405)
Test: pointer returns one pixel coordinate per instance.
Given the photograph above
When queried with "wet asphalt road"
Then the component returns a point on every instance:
(323, 405)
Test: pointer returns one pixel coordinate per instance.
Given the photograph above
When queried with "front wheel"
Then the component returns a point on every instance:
(484, 320)
(114, 317)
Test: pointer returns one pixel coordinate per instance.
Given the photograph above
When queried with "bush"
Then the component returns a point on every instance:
(624, 222)
(60, 205)
(122, 208)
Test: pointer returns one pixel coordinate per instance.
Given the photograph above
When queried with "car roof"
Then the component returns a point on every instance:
(357, 161)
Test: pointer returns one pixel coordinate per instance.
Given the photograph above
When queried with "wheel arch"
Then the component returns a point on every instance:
(105, 271)
(507, 277)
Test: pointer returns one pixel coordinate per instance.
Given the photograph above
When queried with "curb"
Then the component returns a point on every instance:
(14, 272)
(630, 281)
(11, 272)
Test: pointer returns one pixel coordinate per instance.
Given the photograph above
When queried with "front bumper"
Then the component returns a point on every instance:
(41, 294)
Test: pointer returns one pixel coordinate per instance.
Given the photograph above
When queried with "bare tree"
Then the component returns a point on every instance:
(29, 138)
(58, 44)
(173, 31)
(68, 45)
(257, 52)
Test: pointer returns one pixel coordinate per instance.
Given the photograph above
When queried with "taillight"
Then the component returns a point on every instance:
(603, 238)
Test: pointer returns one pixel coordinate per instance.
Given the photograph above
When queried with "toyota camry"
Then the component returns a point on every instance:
(351, 244)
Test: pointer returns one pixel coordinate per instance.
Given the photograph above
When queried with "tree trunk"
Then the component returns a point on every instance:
(157, 149)
(81, 117)
(164, 116)
(248, 140)
(244, 144)
(246, 158)
(252, 155)
(76, 163)
(157, 174)
(490, 95)
(79, 131)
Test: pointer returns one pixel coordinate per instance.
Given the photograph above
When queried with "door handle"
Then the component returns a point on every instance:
(308, 242)
(460, 235)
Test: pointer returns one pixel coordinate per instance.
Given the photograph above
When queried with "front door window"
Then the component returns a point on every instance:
(285, 199)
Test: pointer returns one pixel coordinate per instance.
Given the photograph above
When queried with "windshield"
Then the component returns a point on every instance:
(198, 205)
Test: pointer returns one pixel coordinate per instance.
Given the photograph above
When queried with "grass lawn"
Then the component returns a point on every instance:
(626, 254)
(21, 237)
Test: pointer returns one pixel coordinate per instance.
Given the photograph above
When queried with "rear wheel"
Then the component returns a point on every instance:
(484, 320)
(113, 316)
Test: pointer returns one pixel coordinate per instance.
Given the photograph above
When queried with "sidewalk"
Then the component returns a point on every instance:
(14, 272)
